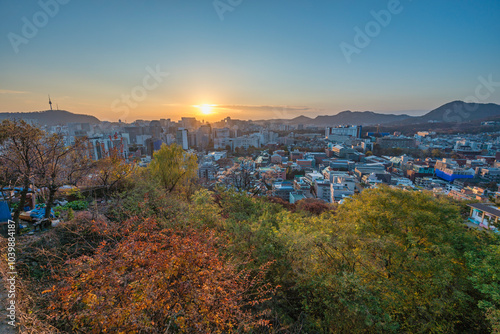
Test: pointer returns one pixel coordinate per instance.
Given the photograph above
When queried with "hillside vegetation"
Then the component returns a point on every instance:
(176, 259)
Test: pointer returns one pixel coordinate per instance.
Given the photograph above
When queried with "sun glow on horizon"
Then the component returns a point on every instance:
(205, 109)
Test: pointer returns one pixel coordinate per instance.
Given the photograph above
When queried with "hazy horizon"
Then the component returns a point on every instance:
(221, 116)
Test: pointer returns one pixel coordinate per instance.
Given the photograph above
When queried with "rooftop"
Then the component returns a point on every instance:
(486, 208)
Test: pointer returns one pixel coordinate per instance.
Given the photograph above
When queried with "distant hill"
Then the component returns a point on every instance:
(344, 117)
(300, 120)
(51, 117)
(358, 118)
(457, 111)
(452, 112)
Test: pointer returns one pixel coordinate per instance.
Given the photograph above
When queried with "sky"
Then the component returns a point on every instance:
(152, 59)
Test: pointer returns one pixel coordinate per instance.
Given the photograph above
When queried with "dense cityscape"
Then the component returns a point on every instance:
(294, 162)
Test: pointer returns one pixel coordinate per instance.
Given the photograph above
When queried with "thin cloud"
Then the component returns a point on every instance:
(7, 91)
(281, 112)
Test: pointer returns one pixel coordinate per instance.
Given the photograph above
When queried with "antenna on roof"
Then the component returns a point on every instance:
(50, 103)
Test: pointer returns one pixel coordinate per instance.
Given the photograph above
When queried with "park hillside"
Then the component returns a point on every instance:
(154, 252)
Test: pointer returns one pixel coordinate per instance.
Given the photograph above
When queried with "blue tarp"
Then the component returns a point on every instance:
(4, 212)
(40, 213)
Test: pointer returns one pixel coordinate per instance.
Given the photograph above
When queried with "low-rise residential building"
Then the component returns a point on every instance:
(301, 185)
(282, 189)
(276, 159)
(329, 174)
(491, 174)
(275, 172)
(419, 170)
(294, 155)
(208, 170)
(401, 182)
(396, 142)
(367, 169)
(341, 165)
(305, 163)
(339, 191)
(311, 177)
(322, 190)
(296, 196)
(217, 155)
(484, 215)
(371, 179)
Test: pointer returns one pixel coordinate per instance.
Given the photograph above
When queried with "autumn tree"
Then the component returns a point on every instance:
(225, 162)
(241, 175)
(18, 140)
(399, 257)
(8, 178)
(173, 168)
(436, 153)
(80, 164)
(157, 280)
(56, 163)
(313, 205)
(111, 170)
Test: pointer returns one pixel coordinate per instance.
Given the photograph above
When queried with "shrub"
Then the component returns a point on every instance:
(77, 205)
(313, 205)
(156, 280)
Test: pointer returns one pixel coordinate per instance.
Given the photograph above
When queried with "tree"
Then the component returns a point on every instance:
(395, 262)
(56, 163)
(291, 173)
(157, 280)
(173, 167)
(80, 164)
(485, 265)
(8, 179)
(225, 162)
(313, 205)
(396, 151)
(241, 175)
(436, 153)
(18, 140)
(112, 170)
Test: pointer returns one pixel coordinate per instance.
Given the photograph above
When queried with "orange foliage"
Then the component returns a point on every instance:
(283, 203)
(157, 280)
(313, 205)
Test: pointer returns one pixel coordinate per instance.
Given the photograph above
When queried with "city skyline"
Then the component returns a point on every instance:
(246, 60)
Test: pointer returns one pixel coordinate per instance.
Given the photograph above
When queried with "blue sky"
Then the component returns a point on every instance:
(265, 59)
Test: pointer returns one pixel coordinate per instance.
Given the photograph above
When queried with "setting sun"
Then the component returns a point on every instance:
(205, 109)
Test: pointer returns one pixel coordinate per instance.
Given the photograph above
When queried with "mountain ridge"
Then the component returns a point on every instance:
(458, 111)
(50, 117)
(451, 112)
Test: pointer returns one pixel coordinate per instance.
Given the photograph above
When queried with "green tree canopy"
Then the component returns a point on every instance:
(395, 261)
(173, 167)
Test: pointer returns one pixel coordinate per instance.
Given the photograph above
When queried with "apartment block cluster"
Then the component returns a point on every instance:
(141, 139)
